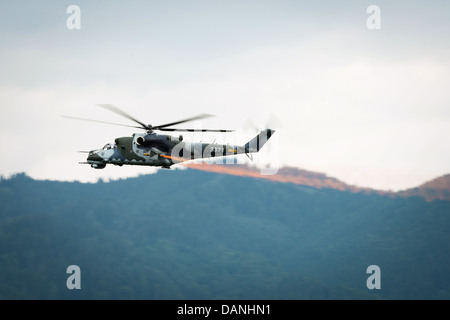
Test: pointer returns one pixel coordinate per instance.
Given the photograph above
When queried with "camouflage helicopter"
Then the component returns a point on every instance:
(160, 150)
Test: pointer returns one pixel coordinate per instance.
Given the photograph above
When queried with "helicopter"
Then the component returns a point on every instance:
(161, 150)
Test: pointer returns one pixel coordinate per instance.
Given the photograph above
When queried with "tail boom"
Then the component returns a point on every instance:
(258, 142)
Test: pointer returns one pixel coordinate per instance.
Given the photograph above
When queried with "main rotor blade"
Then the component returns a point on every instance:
(114, 109)
(195, 130)
(84, 119)
(202, 116)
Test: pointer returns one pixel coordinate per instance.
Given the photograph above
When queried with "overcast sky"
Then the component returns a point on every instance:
(369, 107)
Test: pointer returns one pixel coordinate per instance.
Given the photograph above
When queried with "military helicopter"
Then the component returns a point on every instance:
(160, 150)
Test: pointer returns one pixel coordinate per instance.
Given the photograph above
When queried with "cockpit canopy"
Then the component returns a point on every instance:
(109, 146)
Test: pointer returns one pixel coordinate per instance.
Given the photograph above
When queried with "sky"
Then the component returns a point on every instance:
(369, 106)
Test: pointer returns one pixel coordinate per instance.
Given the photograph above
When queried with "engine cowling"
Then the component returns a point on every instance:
(140, 140)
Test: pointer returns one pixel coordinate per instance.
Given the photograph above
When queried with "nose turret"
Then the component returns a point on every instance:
(95, 160)
(93, 156)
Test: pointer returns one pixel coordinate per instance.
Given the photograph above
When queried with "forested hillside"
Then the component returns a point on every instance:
(189, 234)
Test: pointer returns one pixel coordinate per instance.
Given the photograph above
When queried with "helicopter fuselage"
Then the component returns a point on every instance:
(153, 149)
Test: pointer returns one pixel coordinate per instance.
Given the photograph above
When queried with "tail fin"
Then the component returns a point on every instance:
(258, 142)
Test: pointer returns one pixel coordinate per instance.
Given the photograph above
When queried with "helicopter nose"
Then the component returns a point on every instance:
(93, 156)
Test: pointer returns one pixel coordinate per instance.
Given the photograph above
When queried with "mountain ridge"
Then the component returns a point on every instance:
(192, 234)
(435, 189)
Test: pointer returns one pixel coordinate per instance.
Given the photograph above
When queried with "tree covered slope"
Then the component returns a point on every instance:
(189, 234)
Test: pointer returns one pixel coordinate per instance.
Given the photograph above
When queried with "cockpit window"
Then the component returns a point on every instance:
(109, 146)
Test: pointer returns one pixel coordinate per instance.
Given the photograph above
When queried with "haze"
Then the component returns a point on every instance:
(369, 107)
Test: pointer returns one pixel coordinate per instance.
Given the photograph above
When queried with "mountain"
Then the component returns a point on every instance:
(192, 234)
(436, 189)
(284, 174)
